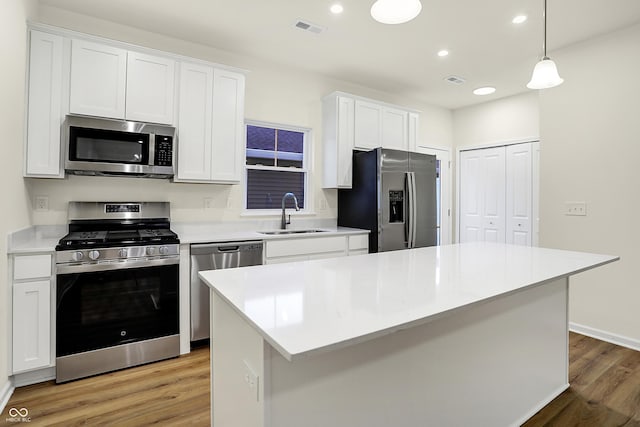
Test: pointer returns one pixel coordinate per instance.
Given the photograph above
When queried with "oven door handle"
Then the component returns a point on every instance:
(115, 265)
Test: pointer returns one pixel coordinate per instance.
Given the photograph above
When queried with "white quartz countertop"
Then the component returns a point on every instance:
(204, 234)
(305, 307)
(44, 238)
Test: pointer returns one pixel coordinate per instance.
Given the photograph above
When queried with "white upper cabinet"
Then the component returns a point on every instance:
(395, 128)
(150, 88)
(351, 122)
(107, 81)
(368, 125)
(195, 122)
(98, 80)
(45, 112)
(211, 124)
(338, 133)
(228, 126)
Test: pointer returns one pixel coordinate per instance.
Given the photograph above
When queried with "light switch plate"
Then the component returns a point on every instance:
(251, 378)
(575, 208)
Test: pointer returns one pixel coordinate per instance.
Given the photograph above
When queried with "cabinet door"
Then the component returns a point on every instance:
(482, 195)
(345, 137)
(227, 153)
(471, 188)
(414, 124)
(150, 88)
(31, 325)
(45, 113)
(98, 79)
(519, 198)
(395, 129)
(195, 122)
(368, 125)
(493, 203)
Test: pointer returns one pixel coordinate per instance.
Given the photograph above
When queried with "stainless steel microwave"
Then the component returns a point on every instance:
(96, 146)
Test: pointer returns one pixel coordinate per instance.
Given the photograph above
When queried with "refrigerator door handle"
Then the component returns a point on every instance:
(407, 219)
(411, 184)
(414, 212)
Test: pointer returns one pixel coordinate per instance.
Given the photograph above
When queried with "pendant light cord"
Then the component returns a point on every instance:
(544, 32)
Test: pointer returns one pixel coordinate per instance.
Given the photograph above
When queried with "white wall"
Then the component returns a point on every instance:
(590, 131)
(273, 94)
(513, 118)
(15, 210)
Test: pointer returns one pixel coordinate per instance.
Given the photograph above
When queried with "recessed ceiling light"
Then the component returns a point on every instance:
(519, 19)
(336, 8)
(487, 90)
(443, 52)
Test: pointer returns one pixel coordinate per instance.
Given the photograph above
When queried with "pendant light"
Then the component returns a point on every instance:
(545, 74)
(395, 11)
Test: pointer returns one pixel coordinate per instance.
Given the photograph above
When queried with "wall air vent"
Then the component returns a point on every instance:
(455, 80)
(308, 26)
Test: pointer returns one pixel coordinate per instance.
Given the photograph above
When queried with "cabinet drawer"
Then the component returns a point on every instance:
(31, 266)
(359, 242)
(288, 247)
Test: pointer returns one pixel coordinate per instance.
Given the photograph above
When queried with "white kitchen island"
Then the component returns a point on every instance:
(458, 335)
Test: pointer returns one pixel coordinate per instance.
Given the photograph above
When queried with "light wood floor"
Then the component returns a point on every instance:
(604, 392)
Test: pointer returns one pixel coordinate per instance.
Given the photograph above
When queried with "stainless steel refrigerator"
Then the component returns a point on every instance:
(394, 196)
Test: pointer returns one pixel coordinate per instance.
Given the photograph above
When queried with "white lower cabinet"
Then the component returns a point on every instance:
(307, 248)
(31, 312)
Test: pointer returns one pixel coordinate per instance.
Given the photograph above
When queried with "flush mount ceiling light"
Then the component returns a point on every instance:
(395, 11)
(519, 19)
(487, 90)
(443, 53)
(336, 8)
(545, 74)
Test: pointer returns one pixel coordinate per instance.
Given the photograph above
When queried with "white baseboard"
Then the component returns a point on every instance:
(605, 336)
(5, 394)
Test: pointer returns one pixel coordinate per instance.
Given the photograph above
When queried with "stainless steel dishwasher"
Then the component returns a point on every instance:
(214, 256)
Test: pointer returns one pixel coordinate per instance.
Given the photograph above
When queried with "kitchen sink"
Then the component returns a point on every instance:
(279, 232)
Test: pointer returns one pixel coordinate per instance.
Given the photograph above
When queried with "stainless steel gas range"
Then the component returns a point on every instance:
(116, 288)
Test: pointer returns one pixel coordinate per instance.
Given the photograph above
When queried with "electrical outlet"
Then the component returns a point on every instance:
(251, 379)
(575, 208)
(323, 204)
(208, 203)
(42, 203)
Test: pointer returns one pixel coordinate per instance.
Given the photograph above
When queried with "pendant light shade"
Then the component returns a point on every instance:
(545, 74)
(395, 11)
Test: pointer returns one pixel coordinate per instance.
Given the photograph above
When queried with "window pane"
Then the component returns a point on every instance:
(261, 138)
(290, 141)
(265, 188)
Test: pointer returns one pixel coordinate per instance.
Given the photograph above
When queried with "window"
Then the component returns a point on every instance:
(276, 164)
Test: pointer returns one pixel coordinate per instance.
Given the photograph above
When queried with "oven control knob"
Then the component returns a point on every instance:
(94, 255)
(122, 253)
(77, 256)
(163, 250)
(151, 250)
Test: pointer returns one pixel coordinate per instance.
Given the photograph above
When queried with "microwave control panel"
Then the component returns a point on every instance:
(164, 151)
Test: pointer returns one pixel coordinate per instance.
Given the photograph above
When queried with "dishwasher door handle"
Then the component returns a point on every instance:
(235, 248)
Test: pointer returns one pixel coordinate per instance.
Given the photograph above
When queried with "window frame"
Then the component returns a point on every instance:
(306, 170)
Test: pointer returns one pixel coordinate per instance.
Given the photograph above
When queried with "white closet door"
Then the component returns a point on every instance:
(493, 203)
(471, 189)
(519, 197)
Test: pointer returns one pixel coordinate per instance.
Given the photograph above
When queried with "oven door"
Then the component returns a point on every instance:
(102, 305)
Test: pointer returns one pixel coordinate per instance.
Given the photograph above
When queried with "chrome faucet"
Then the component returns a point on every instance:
(283, 221)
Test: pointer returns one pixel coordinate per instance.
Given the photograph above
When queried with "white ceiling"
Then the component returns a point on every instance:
(486, 48)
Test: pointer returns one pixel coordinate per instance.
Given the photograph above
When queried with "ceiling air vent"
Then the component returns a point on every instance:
(308, 26)
(455, 80)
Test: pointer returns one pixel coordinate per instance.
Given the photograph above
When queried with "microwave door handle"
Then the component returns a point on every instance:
(152, 149)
